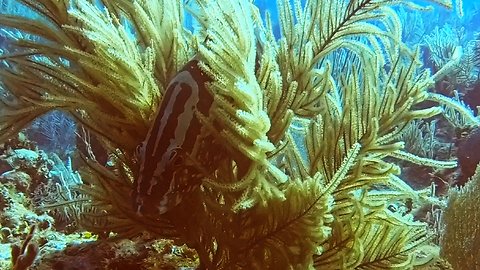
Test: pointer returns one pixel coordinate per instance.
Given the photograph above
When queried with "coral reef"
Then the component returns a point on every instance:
(310, 123)
(138, 253)
(25, 171)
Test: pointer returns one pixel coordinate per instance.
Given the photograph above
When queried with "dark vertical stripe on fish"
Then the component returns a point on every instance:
(174, 131)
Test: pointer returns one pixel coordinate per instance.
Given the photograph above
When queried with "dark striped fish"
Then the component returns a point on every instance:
(164, 177)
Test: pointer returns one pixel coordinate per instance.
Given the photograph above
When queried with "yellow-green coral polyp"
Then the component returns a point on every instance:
(109, 65)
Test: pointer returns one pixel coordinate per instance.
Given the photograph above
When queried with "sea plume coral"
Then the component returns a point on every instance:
(324, 207)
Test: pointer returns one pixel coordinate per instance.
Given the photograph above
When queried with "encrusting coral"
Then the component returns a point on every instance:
(339, 76)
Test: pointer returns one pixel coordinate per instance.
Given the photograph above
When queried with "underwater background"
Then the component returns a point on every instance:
(326, 134)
